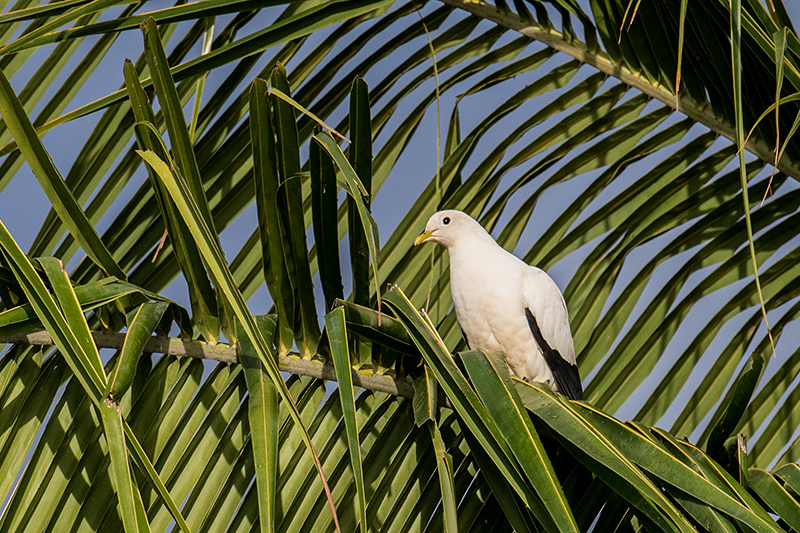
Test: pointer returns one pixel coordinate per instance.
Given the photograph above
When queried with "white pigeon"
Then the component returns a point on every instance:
(503, 304)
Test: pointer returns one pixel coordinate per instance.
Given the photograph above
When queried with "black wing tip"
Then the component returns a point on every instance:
(567, 377)
(574, 389)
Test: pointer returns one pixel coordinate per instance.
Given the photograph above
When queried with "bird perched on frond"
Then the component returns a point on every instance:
(503, 304)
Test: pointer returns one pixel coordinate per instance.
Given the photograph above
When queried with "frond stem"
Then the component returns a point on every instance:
(365, 377)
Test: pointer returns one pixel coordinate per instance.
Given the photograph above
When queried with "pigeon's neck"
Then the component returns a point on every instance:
(476, 245)
(480, 254)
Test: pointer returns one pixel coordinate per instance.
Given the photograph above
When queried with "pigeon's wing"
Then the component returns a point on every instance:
(548, 320)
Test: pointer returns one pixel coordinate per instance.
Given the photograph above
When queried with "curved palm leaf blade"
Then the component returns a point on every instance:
(577, 136)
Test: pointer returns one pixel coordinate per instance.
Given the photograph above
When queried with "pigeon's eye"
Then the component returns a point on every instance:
(446, 220)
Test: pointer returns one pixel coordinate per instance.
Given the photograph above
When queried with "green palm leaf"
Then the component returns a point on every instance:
(597, 140)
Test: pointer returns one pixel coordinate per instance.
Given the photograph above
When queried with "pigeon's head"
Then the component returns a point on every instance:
(447, 227)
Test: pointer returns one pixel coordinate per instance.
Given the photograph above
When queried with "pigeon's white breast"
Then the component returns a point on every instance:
(490, 305)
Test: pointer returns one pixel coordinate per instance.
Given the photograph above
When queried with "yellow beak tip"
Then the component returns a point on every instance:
(422, 237)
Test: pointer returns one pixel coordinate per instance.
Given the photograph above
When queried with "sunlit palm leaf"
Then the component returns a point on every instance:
(564, 141)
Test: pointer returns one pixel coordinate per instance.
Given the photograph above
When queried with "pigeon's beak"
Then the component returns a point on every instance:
(424, 236)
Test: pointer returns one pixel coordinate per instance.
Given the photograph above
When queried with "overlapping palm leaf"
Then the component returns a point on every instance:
(565, 138)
